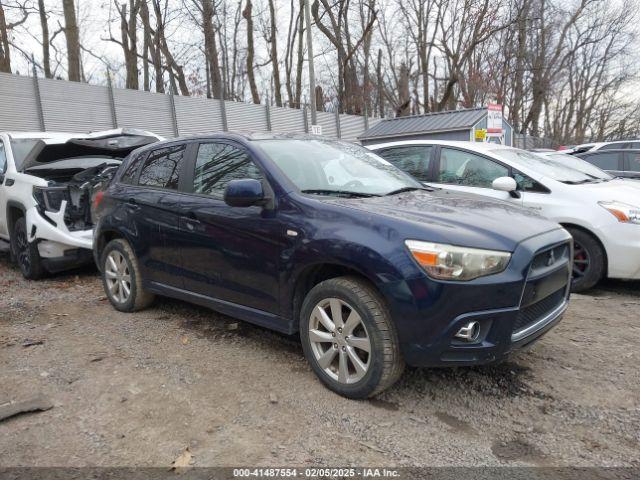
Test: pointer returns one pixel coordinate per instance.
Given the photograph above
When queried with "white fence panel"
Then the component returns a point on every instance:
(247, 117)
(18, 107)
(351, 126)
(328, 122)
(149, 111)
(287, 120)
(75, 107)
(198, 115)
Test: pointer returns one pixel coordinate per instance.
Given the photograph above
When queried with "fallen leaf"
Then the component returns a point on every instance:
(183, 460)
(184, 340)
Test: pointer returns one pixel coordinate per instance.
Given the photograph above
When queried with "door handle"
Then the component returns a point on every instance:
(132, 205)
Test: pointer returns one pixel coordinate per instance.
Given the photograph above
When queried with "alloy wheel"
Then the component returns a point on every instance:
(581, 260)
(22, 253)
(339, 341)
(118, 277)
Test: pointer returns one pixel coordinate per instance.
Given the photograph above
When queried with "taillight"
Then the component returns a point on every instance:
(97, 200)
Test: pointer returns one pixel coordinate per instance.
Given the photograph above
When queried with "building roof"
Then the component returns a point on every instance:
(427, 123)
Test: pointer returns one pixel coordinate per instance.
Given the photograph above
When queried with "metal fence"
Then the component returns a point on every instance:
(39, 104)
(527, 142)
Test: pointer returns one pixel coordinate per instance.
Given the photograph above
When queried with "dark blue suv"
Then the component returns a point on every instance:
(324, 238)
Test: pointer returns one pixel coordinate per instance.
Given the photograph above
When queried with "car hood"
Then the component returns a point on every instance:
(456, 218)
(626, 191)
(113, 143)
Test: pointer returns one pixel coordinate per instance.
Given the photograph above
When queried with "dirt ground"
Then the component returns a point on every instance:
(137, 389)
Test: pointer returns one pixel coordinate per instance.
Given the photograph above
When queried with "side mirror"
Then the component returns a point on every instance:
(244, 193)
(506, 184)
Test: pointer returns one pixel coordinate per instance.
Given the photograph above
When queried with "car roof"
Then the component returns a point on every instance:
(480, 147)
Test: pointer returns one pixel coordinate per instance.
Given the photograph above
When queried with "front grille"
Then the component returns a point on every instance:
(538, 310)
(550, 258)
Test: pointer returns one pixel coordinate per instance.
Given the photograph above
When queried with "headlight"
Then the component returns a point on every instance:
(447, 262)
(50, 198)
(624, 212)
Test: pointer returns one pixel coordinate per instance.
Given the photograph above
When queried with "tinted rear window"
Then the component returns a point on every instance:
(162, 167)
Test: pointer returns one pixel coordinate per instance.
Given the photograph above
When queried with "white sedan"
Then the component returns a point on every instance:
(601, 213)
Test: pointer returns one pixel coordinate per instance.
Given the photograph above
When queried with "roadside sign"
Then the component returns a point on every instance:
(481, 133)
(316, 129)
(494, 118)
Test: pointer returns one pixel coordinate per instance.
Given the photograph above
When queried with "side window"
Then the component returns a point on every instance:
(615, 146)
(415, 160)
(162, 167)
(528, 184)
(459, 167)
(606, 161)
(632, 162)
(129, 174)
(3, 158)
(219, 163)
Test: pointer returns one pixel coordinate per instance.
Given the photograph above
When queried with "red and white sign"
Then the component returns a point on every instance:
(494, 118)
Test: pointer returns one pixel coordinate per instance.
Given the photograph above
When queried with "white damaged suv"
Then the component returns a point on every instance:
(47, 184)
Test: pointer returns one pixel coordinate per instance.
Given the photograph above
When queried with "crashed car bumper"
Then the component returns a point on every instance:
(54, 239)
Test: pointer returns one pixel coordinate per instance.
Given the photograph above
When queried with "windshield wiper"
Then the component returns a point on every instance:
(339, 192)
(407, 189)
(580, 182)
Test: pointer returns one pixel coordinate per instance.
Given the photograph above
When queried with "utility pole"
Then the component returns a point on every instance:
(312, 75)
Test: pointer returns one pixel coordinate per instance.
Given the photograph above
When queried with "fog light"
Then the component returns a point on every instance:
(470, 332)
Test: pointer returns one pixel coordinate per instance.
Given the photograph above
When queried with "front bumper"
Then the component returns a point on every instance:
(513, 308)
(59, 248)
(622, 244)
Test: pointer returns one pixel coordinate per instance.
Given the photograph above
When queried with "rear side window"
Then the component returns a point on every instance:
(3, 158)
(219, 163)
(606, 161)
(162, 167)
(460, 167)
(131, 170)
(615, 146)
(632, 163)
(415, 160)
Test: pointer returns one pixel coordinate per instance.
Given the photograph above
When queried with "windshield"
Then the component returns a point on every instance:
(20, 147)
(327, 167)
(579, 164)
(548, 167)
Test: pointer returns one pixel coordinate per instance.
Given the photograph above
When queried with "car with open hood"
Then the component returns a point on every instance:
(47, 183)
(326, 239)
(601, 212)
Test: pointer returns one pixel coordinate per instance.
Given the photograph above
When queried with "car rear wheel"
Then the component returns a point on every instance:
(349, 339)
(26, 253)
(121, 278)
(588, 261)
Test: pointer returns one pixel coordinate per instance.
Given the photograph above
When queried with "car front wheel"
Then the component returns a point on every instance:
(121, 278)
(588, 261)
(26, 253)
(349, 339)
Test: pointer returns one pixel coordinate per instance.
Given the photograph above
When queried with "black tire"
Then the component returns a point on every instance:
(588, 261)
(385, 362)
(26, 253)
(138, 298)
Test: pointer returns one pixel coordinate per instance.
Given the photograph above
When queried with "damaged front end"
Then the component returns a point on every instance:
(70, 201)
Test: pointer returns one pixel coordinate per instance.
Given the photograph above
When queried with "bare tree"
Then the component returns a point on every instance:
(72, 34)
(248, 16)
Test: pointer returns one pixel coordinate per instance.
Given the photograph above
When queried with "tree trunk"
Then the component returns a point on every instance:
(5, 54)
(274, 55)
(247, 15)
(210, 47)
(300, 61)
(72, 34)
(46, 55)
(404, 106)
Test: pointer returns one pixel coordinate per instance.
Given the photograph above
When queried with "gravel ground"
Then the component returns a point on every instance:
(137, 389)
